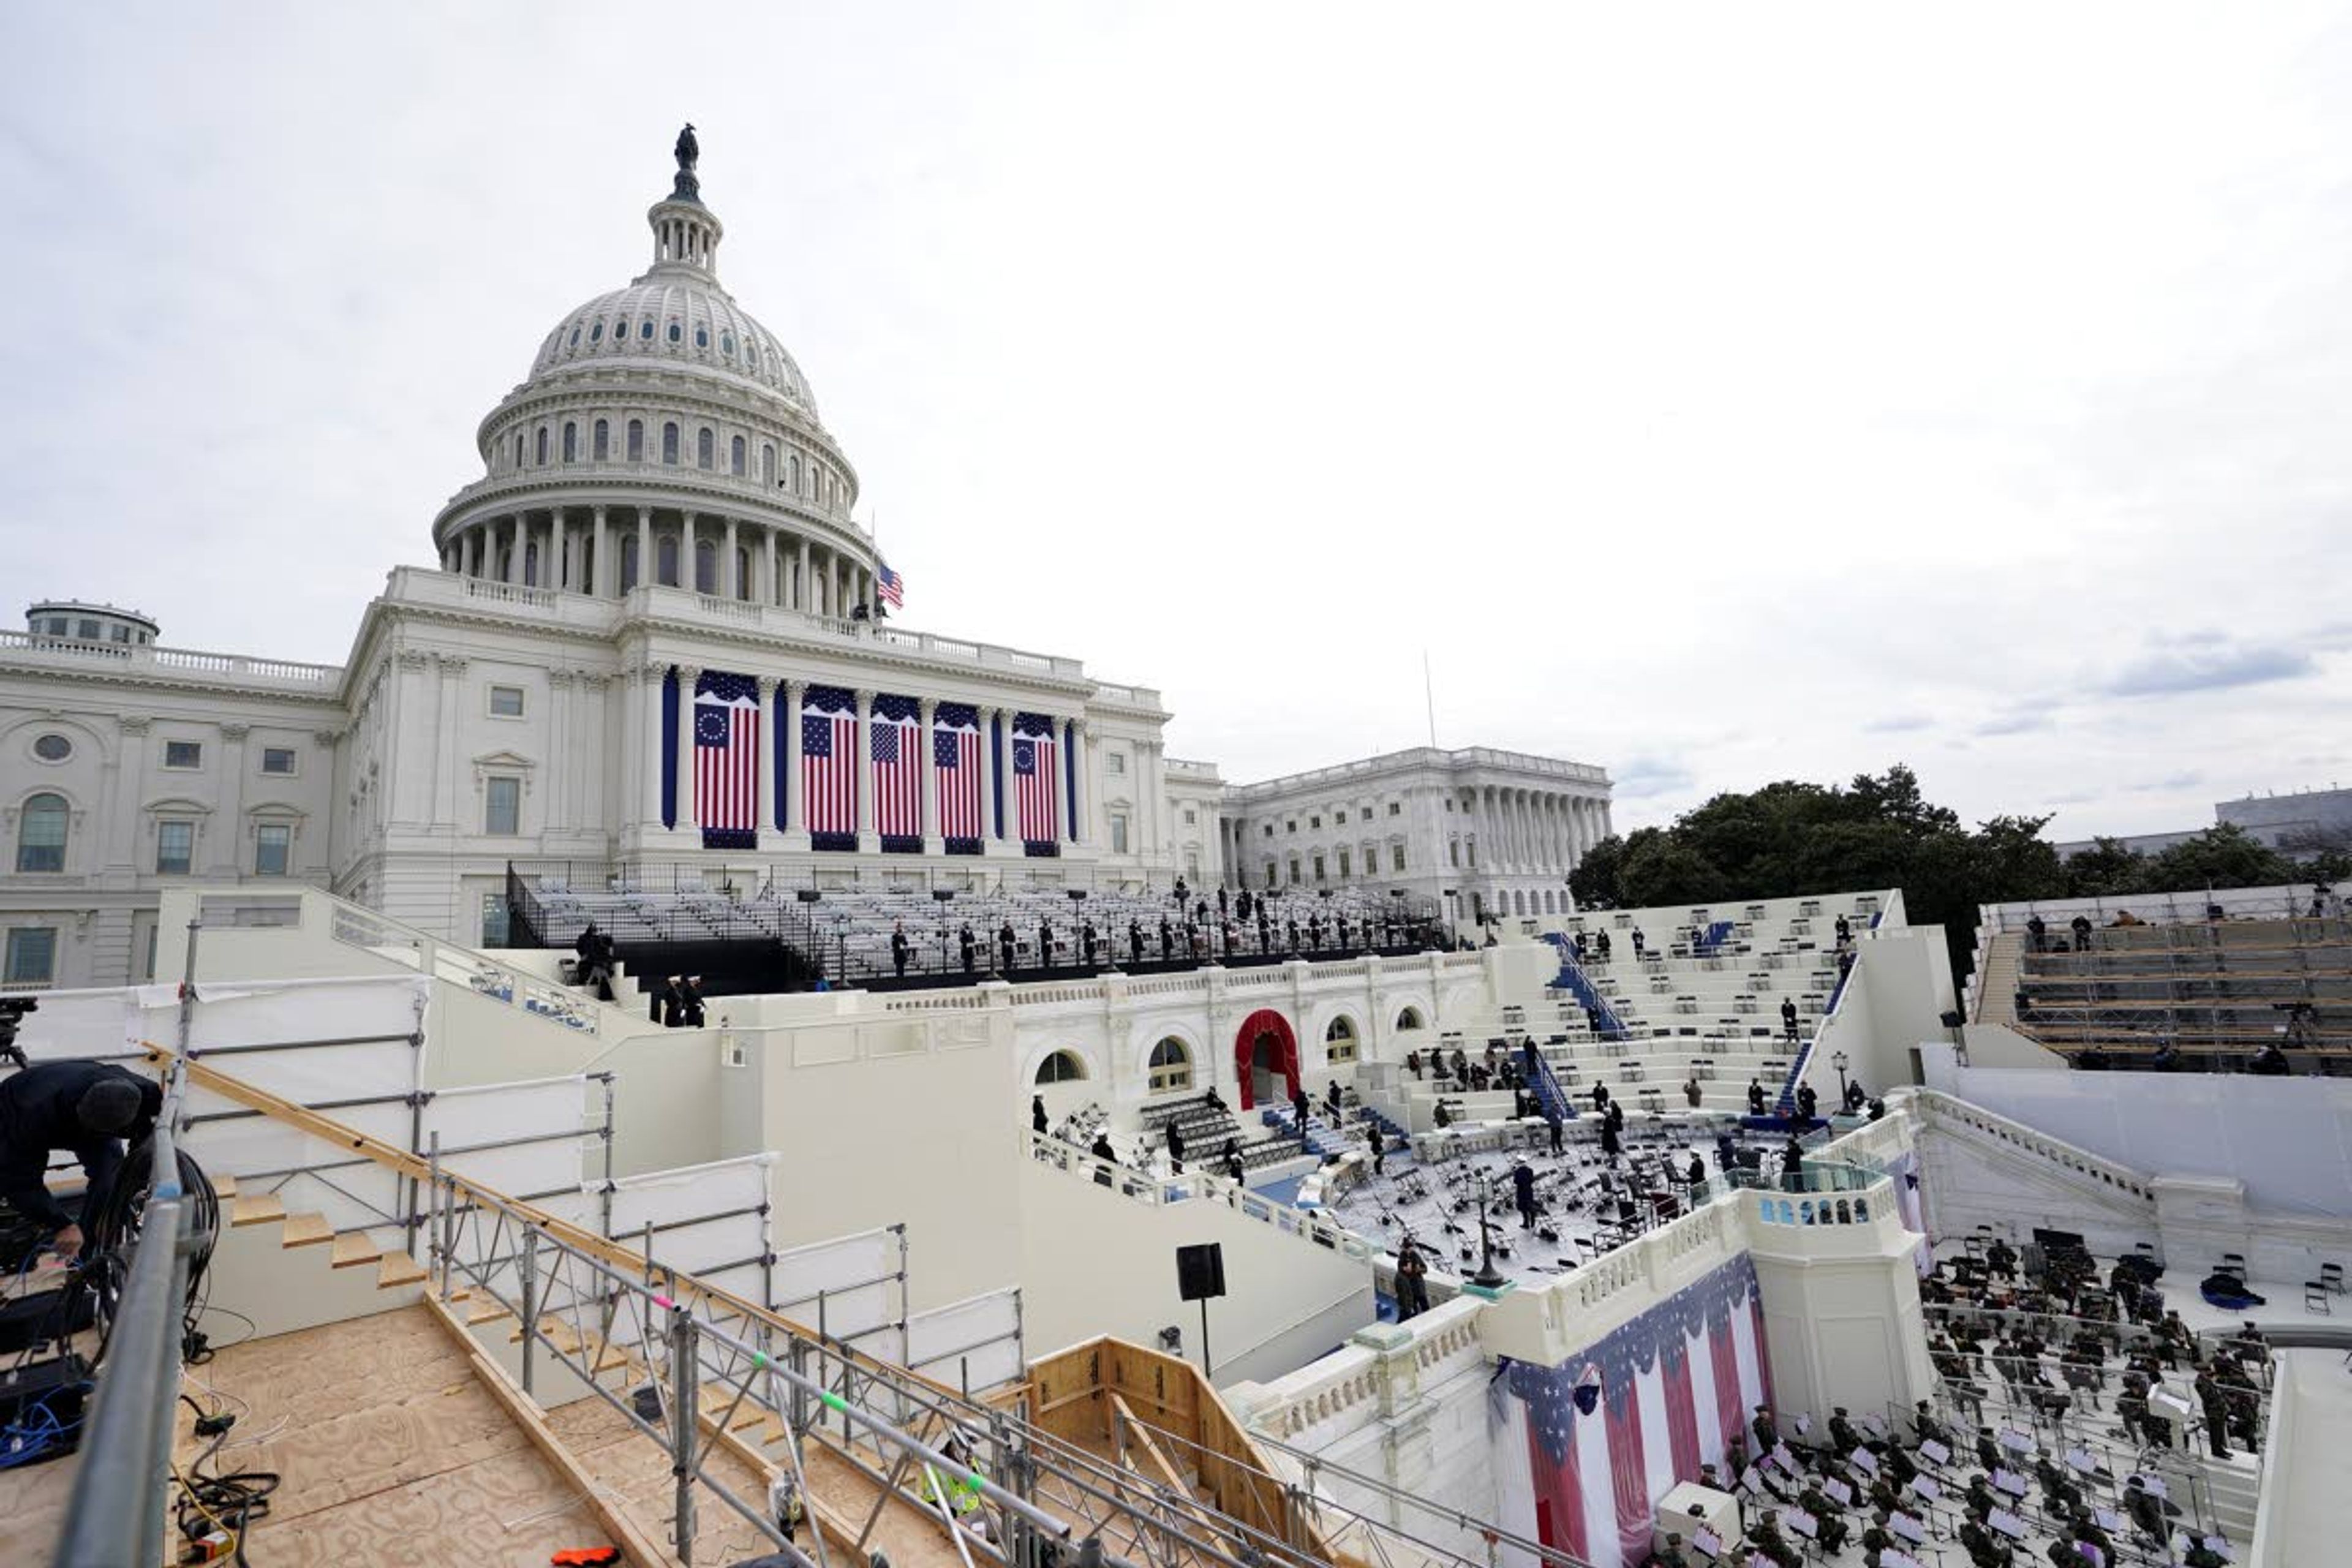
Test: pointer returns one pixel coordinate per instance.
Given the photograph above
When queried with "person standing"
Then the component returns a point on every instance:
(1102, 1151)
(1754, 1097)
(1411, 1281)
(1038, 1121)
(1175, 1148)
(1167, 940)
(1005, 944)
(1380, 1152)
(1789, 1018)
(1299, 1104)
(900, 947)
(1523, 1193)
(1134, 941)
(1086, 939)
(965, 944)
(1236, 1170)
(1552, 1126)
(690, 1002)
(1045, 943)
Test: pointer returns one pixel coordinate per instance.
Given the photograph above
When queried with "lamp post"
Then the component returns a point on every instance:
(1488, 1277)
(943, 896)
(1837, 1060)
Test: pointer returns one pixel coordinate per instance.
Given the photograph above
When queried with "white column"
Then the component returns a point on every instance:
(648, 734)
(687, 577)
(728, 585)
(559, 547)
(987, 777)
(863, 773)
(925, 711)
(686, 674)
(1076, 734)
(804, 600)
(763, 820)
(514, 548)
(644, 547)
(796, 806)
(769, 594)
(596, 575)
(466, 551)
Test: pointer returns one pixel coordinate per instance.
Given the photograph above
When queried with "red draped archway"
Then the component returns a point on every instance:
(1264, 1022)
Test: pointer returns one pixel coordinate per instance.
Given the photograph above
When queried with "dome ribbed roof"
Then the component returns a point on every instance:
(673, 317)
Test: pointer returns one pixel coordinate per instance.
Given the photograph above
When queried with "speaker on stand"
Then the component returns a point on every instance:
(1200, 1276)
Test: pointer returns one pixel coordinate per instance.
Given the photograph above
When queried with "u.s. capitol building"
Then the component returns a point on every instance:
(653, 635)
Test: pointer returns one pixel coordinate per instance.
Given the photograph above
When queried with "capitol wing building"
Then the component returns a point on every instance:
(655, 642)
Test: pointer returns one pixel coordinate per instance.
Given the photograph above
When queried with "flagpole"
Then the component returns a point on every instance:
(1429, 692)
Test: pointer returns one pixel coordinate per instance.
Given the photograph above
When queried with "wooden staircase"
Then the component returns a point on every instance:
(345, 1250)
(1997, 981)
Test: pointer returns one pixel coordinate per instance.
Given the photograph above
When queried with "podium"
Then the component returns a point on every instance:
(1690, 1507)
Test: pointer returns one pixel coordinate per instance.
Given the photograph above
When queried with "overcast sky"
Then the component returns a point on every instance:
(1781, 391)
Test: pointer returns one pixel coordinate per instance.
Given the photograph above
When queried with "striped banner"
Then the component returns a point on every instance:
(1038, 796)
(956, 760)
(898, 755)
(727, 759)
(829, 760)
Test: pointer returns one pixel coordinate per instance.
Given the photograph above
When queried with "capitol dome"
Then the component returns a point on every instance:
(665, 438)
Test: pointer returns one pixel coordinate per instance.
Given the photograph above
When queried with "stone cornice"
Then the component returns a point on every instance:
(147, 678)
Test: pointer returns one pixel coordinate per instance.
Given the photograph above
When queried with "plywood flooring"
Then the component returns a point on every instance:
(391, 1452)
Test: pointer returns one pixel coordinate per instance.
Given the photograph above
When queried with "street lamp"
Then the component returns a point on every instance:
(1488, 1277)
(1837, 1060)
(943, 896)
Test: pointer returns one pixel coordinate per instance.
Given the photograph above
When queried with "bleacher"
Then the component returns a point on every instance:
(846, 933)
(2214, 978)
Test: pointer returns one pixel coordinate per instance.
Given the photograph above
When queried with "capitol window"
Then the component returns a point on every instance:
(727, 344)
(599, 440)
(1318, 869)
(273, 846)
(175, 847)
(637, 440)
(705, 448)
(1118, 833)
(596, 333)
(645, 330)
(575, 337)
(1190, 816)
(675, 334)
(506, 701)
(570, 442)
(1062, 1066)
(701, 337)
(735, 455)
(1170, 1066)
(183, 754)
(665, 561)
(1396, 856)
(767, 462)
(31, 955)
(1115, 762)
(1314, 823)
(628, 562)
(705, 566)
(502, 807)
(1395, 810)
(669, 441)
(278, 759)
(1338, 819)
(539, 448)
(41, 833)
(52, 748)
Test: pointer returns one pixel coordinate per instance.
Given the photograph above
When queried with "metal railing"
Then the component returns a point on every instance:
(116, 1513)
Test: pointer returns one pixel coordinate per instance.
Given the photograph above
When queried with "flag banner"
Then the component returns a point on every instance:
(829, 766)
(727, 759)
(893, 587)
(1035, 774)
(1598, 1461)
(956, 760)
(898, 754)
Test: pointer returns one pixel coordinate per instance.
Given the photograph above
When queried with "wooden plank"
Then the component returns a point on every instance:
(528, 1415)
(397, 1269)
(261, 1208)
(352, 1248)
(224, 1187)
(306, 1230)
(486, 1310)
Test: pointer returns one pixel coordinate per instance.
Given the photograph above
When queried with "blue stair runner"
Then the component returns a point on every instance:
(1571, 974)
(1787, 1104)
(1713, 939)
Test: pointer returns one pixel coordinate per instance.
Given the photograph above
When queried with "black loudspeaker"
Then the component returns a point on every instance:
(1200, 1271)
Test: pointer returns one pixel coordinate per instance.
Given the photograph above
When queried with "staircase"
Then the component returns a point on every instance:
(1572, 978)
(1996, 979)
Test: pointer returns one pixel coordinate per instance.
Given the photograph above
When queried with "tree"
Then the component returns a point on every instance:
(2107, 868)
(2220, 856)
(1594, 882)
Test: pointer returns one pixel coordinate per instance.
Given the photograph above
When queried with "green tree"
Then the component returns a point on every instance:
(2220, 856)
(1594, 882)
(2107, 868)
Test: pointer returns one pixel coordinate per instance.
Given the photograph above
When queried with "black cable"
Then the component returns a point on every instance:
(116, 1221)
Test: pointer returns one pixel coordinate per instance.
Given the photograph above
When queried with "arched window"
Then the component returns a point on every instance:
(1172, 1067)
(705, 447)
(1062, 1066)
(41, 833)
(531, 564)
(1408, 1019)
(576, 335)
(701, 336)
(735, 455)
(518, 449)
(792, 478)
(596, 333)
(570, 442)
(669, 441)
(727, 344)
(628, 562)
(646, 330)
(600, 441)
(621, 328)
(539, 447)
(1340, 1040)
(673, 333)
(705, 566)
(767, 462)
(1519, 903)
(637, 440)
(665, 561)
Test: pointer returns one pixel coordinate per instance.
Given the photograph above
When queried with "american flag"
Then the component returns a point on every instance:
(898, 768)
(727, 759)
(955, 757)
(1033, 781)
(894, 587)
(829, 760)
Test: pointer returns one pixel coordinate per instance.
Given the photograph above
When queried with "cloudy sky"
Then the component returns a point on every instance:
(1716, 397)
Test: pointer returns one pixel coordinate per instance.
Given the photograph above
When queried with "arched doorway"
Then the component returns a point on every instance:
(1265, 1058)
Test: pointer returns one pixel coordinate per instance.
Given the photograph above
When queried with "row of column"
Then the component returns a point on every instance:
(583, 556)
(1534, 831)
(646, 713)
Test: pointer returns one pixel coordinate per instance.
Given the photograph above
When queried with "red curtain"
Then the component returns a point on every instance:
(1627, 1477)
(1681, 1415)
(1727, 1411)
(1560, 1502)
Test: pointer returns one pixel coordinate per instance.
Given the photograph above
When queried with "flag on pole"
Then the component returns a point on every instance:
(894, 587)
(727, 759)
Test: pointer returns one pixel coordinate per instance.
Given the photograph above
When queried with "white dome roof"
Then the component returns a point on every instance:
(677, 316)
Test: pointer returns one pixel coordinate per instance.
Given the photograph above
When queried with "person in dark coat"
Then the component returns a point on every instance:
(1086, 940)
(1523, 1193)
(1045, 943)
(1411, 1281)
(1038, 1121)
(1301, 1105)
(1006, 944)
(1788, 1018)
(1380, 1152)
(1167, 940)
(1101, 1150)
(1223, 906)
(669, 1004)
(1134, 941)
(689, 1002)
(1293, 933)
(1601, 1098)
(1175, 1148)
(1754, 1097)
(1236, 1170)
(899, 948)
(1553, 1125)
(1610, 1146)
(965, 942)
(84, 1108)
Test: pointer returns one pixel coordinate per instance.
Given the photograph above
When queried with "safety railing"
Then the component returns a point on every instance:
(1202, 1186)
